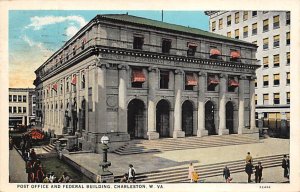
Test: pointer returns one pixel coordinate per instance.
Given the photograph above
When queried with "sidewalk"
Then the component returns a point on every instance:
(16, 167)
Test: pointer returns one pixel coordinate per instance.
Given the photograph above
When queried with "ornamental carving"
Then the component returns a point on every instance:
(123, 67)
(112, 101)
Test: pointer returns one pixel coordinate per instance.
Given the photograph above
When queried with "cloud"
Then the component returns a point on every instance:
(72, 30)
(38, 22)
(32, 43)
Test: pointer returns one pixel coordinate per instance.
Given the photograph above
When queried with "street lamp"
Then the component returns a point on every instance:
(105, 176)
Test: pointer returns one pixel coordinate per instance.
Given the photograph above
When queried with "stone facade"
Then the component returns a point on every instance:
(127, 77)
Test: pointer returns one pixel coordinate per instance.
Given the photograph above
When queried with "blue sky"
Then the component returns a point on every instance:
(35, 35)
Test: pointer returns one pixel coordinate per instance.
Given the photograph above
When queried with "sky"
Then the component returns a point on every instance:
(35, 35)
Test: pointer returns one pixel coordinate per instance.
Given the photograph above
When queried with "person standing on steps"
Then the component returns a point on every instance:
(258, 172)
(249, 158)
(249, 170)
(285, 166)
(191, 170)
(131, 174)
(226, 174)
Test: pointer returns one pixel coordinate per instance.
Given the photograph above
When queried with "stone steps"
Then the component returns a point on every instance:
(180, 175)
(49, 148)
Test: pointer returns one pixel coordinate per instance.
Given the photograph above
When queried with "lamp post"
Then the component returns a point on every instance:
(105, 176)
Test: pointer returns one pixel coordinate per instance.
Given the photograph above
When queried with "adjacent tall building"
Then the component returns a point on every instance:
(270, 31)
(129, 77)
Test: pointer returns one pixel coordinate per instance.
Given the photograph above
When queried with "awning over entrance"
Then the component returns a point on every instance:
(213, 81)
(233, 83)
(138, 76)
(190, 79)
(215, 52)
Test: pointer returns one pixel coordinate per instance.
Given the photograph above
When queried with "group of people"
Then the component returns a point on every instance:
(249, 169)
(129, 177)
(34, 170)
(51, 178)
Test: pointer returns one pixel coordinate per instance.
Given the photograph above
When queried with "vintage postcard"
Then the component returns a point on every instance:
(149, 96)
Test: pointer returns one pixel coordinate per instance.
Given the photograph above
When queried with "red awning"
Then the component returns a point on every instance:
(213, 81)
(54, 86)
(74, 80)
(190, 79)
(233, 83)
(235, 54)
(215, 52)
(192, 44)
(138, 76)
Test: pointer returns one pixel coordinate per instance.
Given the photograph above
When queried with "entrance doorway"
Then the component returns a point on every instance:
(187, 118)
(210, 118)
(162, 118)
(136, 118)
(229, 117)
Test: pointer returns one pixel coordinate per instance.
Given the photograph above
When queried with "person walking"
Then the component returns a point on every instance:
(249, 158)
(11, 143)
(131, 174)
(39, 174)
(29, 171)
(258, 172)
(64, 178)
(249, 170)
(285, 166)
(226, 174)
(191, 170)
(33, 155)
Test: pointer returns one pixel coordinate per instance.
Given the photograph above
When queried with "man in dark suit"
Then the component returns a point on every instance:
(258, 172)
(249, 170)
(285, 165)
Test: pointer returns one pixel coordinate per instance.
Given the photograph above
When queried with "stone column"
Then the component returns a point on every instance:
(241, 104)
(177, 108)
(122, 121)
(201, 105)
(222, 103)
(151, 120)
(252, 102)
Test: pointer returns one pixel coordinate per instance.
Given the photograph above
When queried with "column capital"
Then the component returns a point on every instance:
(102, 65)
(201, 73)
(253, 77)
(152, 69)
(243, 77)
(223, 75)
(179, 72)
(123, 67)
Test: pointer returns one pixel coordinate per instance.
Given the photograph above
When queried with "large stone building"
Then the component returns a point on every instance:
(21, 106)
(130, 77)
(270, 30)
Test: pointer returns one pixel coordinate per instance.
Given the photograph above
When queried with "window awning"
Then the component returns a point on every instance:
(215, 52)
(54, 86)
(138, 76)
(192, 44)
(233, 83)
(213, 81)
(74, 80)
(235, 54)
(190, 79)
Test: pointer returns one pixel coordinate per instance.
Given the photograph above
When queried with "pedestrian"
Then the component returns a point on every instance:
(191, 170)
(285, 166)
(226, 174)
(11, 143)
(258, 172)
(39, 174)
(124, 179)
(33, 155)
(52, 177)
(249, 158)
(288, 166)
(29, 171)
(64, 178)
(249, 170)
(195, 177)
(131, 174)
(46, 179)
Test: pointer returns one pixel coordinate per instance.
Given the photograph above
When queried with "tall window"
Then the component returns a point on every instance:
(288, 18)
(228, 20)
(237, 17)
(14, 98)
(276, 21)
(10, 98)
(288, 95)
(164, 79)
(288, 76)
(254, 28)
(229, 34)
(276, 98)
(24, 110)
(14, 109)
(19, 109)
(138, 42)
(276, 78)
(24, 98)
(213, 26)
(266, 99)
(276, 40)
(266, 25)
(276, 60)
(166, 45)
(237, 34)
(10, 110)
(288, 40)
(254, 13)
(255, 83)
(82, 80)
(288, 60)
(220, 23)
(265, 43)
(266, 62)
(245, 15)
(255, 99)
(68, 84)
(266, 80)
(245, 31)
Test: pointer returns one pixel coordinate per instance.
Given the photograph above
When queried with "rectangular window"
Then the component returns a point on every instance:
(288, 40)
(254, 28)
(237, 17)
(266, 25)
(19, 109)
(137, 78)
(265, 43)
(245, 31)
(10, 110)
(19, 98)
(10, 98)
(67, 85)
(164, 79)
(228, 20)
(276, 22)
(213, 26)
(82, 81)
(190, 81)
(166, 45)
(276, 99)
(288, 18)
(276, 78)
(191, 49)
(138, 42)
(254, 13)
(276, 60)
(288, 60)
(212, 82)
(237, 34)
(15, 110)
(266, 62)
(255, 83)
(24, 98)
(14, 98)
(220, 23)
(255, 99)
(266, 80)
(288, 76)
(276, 40)
(266, 99)
(245, 15)
(229, 34)
(24, 109)
(288, 98)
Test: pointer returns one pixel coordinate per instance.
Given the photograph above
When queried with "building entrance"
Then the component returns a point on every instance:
(187, 118)
(162, 118)
(229, 117)
(210, 118)
(136, 118)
